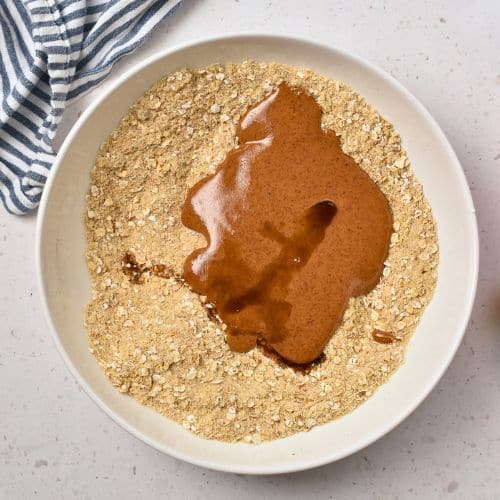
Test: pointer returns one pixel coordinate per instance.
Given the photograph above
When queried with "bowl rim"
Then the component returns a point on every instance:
(327, 457)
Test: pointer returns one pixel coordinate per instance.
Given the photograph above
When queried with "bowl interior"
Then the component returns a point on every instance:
(65, 284)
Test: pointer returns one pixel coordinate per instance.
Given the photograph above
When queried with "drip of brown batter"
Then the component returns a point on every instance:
(384, 337)
(136, 271)
(294, 227)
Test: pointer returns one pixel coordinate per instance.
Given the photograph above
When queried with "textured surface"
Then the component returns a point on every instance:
(155, 341)
(54, 441)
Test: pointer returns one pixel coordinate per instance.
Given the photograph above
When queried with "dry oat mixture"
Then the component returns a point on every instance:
(155, 340)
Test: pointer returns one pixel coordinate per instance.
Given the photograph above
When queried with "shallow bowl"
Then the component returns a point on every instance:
(65, 284)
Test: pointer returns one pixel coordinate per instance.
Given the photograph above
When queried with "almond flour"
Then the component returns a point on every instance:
(156, 340)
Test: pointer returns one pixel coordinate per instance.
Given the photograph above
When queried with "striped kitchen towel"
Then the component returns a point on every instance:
(51, 51)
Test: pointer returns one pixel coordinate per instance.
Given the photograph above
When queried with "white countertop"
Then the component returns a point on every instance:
(55, 442)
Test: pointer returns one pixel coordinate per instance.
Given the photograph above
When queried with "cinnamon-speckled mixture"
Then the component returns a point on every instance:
(156, 339)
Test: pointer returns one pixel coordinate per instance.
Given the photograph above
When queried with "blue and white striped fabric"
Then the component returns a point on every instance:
(51, 51)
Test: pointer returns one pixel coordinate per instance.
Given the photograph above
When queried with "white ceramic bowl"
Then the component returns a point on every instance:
(65, 286)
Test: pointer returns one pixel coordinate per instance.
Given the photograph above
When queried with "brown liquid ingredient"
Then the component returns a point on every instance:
(294, 227)
(384, 337)
(136, 272)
